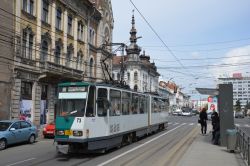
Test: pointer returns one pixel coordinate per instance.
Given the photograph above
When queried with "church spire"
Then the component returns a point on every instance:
(133, 30)
(133, 49)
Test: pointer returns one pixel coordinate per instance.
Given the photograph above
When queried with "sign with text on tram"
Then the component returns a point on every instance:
(74, 89)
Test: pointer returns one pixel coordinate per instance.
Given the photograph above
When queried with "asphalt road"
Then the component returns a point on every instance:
(163, 148)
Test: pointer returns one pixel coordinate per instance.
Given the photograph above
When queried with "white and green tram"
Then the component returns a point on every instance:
(98, 117)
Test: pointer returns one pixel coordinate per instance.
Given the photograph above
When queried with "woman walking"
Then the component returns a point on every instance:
(203, 120)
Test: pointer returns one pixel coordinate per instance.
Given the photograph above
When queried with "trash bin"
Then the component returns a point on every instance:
(231, 139)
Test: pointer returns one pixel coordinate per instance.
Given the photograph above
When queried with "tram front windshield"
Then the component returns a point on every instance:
(71, 107)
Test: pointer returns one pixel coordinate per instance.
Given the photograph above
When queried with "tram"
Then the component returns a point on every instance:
(98, 117)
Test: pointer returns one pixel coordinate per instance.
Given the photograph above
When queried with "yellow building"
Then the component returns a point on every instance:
(56, 41)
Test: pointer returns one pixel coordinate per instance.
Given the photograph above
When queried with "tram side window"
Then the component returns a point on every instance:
(135, 102)
(146, 105)
(142, 104)
(115, 99)
(126, 100)
(102, 102)
(154, 105)
(90, 111)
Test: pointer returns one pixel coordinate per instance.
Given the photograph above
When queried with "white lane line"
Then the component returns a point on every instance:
(237, 125)
(191, 124)
(21, 161)
(175, 124)
(170, 123)
(135, 148)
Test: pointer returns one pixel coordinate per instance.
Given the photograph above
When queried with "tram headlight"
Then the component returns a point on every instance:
(77, 133)
(60, 132)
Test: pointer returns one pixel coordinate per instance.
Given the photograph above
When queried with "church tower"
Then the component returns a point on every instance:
(133, 50)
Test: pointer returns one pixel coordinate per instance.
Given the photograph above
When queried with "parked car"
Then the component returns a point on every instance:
(177, 112)
(16, 131)
(195, 112)
(186, 113)
(49, 130)
(239, 114)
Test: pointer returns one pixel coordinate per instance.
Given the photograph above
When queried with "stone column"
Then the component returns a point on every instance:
(51, 103)
(15, 99)
(36, 103)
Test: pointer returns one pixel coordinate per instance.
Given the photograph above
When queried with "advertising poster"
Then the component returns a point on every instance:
(25, 109)
(212, 104)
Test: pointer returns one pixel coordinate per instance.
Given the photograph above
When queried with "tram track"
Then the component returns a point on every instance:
(154, 150)
(147, 157)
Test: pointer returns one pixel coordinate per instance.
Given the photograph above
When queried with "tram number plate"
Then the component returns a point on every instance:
(68, 132)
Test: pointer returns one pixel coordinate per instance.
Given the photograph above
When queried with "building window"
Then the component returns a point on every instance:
(135, 88)
(26, 90)
(128, 75)
(28, 6)
(24, 43)
(80, 31)
(70, 25)
(118, 76)
(27, 45)
(58, 18)
(68, 57)
(44, 51)
(136, 76)
(57, 54)
(30, 45)
(91, 66)
(91, 36)
(79, 60)
(45, 11)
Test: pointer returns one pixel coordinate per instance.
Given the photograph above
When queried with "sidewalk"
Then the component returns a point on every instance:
(203, 153)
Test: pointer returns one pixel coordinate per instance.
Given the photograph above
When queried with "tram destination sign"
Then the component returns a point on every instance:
(74, 89)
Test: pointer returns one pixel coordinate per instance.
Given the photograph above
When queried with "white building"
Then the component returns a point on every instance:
(135, 69)
(241, 87)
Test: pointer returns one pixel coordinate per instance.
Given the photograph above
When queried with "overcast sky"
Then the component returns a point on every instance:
(208, 38)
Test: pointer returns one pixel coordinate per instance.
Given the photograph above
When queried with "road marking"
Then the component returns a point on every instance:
(237, 125)
(135, 148)
(191, 124)
(21, 161)
(170, 123)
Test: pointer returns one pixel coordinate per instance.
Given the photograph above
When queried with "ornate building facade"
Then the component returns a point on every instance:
(135, 69)
(55, 41)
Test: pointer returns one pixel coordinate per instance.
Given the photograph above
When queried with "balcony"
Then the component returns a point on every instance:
(57, 67)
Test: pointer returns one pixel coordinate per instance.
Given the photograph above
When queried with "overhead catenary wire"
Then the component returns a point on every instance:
(158, 36)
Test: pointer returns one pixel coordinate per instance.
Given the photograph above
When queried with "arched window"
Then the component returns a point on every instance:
(135, 88)
(57, 54)
(136, 76)
(44, 51)
(91, 67)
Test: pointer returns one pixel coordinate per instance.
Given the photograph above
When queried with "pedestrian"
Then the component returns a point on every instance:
(203, 121)
(215, 123)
